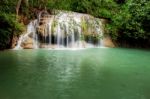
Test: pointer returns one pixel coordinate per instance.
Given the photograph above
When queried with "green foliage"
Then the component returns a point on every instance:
(127, 19)
(131, 22)
(53, 28)
(84, 26)
(8, 6)
(8, 28)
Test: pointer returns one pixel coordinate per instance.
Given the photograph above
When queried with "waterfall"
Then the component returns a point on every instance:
(30, 30)
(35, 36)
(63, 30)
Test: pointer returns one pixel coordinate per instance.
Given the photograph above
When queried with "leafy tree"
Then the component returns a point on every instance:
(128, 20)
(9, 28)
(131, 23)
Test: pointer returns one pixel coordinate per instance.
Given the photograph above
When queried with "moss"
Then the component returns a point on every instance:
(54, 24)
(84, 26)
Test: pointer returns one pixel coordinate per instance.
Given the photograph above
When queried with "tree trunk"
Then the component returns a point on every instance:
(19, 4)
(18, 7)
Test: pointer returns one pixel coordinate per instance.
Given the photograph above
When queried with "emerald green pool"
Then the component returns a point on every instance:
(105, 73)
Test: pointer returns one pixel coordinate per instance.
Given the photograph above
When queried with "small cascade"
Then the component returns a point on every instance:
(63, 30)
(35, 36)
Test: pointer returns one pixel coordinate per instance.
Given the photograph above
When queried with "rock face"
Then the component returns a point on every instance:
(108, 42)
(28, 43)
(14, 41)
(64, 29)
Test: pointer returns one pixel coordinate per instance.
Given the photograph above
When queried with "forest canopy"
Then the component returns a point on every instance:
(128, 20)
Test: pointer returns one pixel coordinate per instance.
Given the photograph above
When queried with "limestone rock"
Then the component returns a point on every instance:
(14, 42)
(28, 46)
(108, 42)
(28, 43)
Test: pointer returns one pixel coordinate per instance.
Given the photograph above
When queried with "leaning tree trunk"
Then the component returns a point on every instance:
(18, 7)
(19, 4)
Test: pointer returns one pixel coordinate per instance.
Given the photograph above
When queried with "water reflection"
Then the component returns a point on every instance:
(82, 74)
(51, 72)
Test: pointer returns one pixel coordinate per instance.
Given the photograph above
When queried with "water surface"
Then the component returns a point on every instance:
(104, 73)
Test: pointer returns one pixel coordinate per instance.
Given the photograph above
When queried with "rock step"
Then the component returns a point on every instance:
(44, 18)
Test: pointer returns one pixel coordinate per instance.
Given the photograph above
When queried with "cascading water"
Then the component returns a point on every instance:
(63, 30)
(30, 30)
